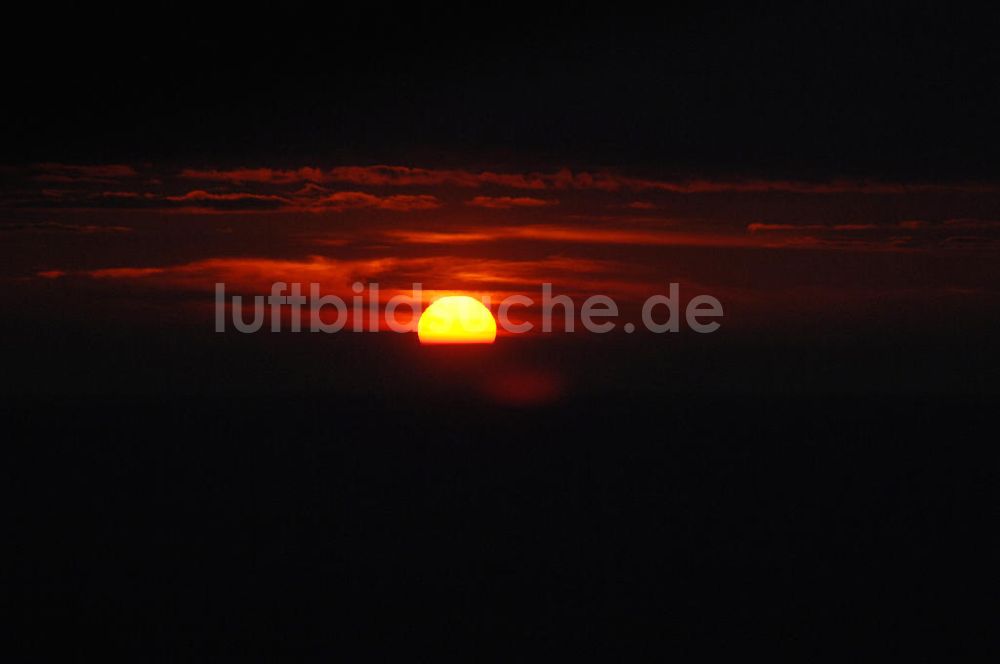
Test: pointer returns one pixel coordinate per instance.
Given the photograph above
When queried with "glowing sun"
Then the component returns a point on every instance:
(457, 319)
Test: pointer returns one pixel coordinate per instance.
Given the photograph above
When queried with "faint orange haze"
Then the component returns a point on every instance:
(777, 252)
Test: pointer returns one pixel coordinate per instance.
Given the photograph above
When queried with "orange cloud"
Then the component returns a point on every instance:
(437, 237)
(571, 234)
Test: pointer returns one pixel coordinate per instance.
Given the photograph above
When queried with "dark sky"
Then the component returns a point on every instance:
(829, 171)
(696, 88)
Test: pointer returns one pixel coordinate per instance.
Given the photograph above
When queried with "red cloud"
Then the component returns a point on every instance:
(103, 173)
(125, 272)
(757, 227)
(506, 202)
(498, 277)
(59, 227)
(92, 171)
(260, 175)
(201, 195)
(347, 200)
(401, 176)
(382, 175)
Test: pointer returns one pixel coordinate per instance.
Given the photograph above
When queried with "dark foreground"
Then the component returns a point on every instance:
(249, 527)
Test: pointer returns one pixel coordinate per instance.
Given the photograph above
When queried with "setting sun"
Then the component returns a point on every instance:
(457, 319)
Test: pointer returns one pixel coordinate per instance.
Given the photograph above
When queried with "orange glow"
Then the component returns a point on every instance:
(457, 319)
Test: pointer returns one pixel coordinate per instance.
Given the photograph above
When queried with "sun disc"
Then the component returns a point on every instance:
(456, 319)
